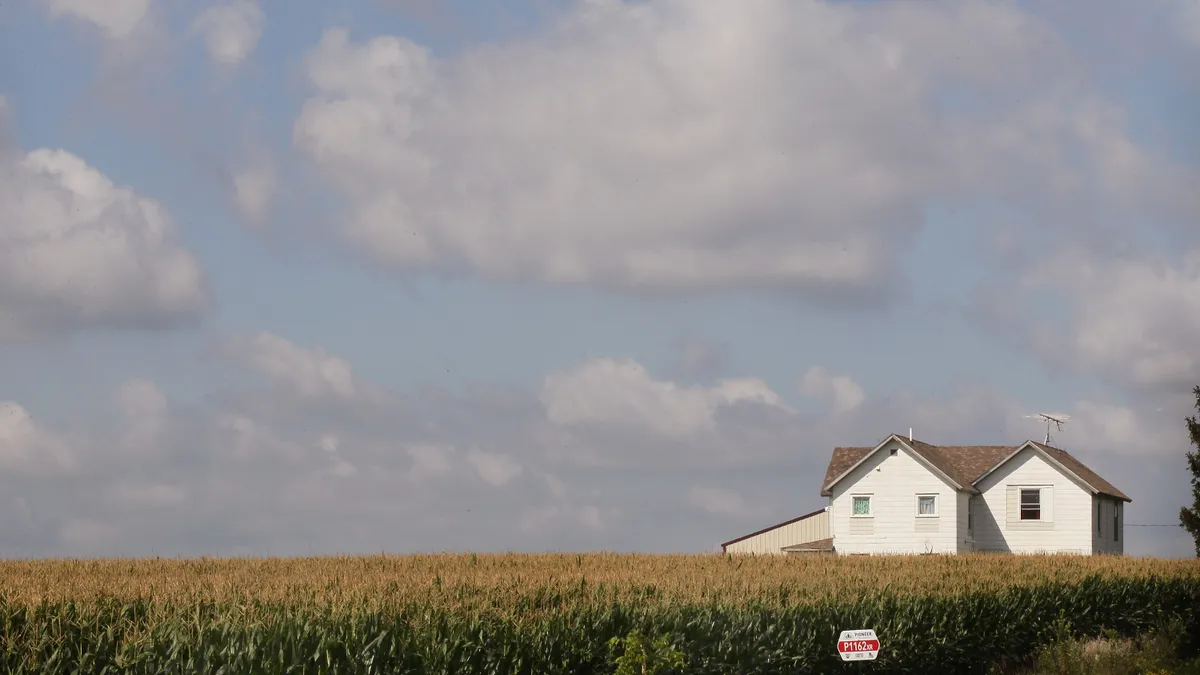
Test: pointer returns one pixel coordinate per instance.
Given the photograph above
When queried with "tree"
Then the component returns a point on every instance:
(1189, 518)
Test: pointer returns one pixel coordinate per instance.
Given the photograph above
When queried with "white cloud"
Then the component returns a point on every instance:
(840, 390)
(231, 30)
(26, 448)
(77, 251)
(682, 144)
(279, 472)
(329, 443)
(253, 189)
(495, 469)
(619, 392)
(244, 439)
(1135, 321)
(308, 372)
(118, 19)
(430, 461)
(140, 398)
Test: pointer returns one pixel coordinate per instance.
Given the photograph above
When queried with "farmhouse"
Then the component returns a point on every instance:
(906, 496)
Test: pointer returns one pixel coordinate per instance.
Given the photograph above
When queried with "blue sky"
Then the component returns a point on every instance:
(453, 221)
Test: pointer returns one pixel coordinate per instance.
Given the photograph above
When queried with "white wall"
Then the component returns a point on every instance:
(894, 481)
(964, 534)
(812, 528)
(1102, 537)
(1067, 510)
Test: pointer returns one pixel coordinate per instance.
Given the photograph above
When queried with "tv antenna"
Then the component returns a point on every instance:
(1056, 419)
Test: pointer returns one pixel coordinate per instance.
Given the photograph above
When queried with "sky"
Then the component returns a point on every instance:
(361, 276)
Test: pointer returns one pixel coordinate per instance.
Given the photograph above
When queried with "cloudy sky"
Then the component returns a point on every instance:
(404, 275)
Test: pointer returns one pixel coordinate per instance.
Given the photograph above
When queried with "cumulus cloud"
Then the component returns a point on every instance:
(495, 469)
(1132, 320)
(28, 449)
(840, 390)
(279, 472)
(620, 392)
(308, 372)
(78, 251)
(231, 30)
(117, 19)
(430, 461)
(678, 144)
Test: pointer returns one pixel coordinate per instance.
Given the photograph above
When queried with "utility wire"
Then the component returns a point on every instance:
(1136, 525)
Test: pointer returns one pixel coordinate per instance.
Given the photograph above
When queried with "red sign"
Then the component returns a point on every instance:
(858, 645)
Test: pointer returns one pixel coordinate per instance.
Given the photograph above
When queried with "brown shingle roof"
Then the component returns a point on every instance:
(963, 463)
(966, 464)
(842, 459)
(818, 545)
(1087, 475)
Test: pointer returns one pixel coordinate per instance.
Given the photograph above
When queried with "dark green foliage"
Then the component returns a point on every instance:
(930, 634)
(1189, 518)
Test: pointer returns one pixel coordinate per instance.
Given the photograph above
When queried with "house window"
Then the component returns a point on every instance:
(970, 514)
(1031, 504)
(862, 505)
(927, 505)
(1116, 528)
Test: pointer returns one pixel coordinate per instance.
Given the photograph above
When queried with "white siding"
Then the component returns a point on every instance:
(893, 482)
(964, 533)
(1103, 540)
(1067, 510)
(813, 528)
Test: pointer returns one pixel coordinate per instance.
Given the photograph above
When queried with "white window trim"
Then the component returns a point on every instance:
(870, 506)
(917, 505)
(1041, 506)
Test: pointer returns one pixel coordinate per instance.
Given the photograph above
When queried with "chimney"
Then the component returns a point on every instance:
(910, 434)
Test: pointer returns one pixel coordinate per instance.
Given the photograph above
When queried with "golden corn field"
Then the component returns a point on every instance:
(556, 613)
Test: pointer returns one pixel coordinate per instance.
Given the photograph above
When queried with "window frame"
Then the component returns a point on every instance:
(927, 495)
(1039, 508)
(870, 505)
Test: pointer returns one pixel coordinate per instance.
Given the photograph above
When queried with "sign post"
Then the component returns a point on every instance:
(858, 645)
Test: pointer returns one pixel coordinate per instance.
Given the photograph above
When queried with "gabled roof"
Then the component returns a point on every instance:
(1068, 463)
(768, 529)
(965, 464)
(959, 464)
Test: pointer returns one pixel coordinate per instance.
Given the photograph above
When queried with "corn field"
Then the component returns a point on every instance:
(537, 614)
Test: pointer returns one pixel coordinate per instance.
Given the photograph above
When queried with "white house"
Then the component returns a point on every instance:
(906, 496)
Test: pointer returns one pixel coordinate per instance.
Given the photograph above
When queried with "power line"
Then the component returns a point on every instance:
(1139, 525)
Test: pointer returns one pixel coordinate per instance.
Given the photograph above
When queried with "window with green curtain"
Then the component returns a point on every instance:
(862, 506)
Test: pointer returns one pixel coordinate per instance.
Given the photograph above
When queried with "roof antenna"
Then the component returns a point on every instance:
(1055, 418)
